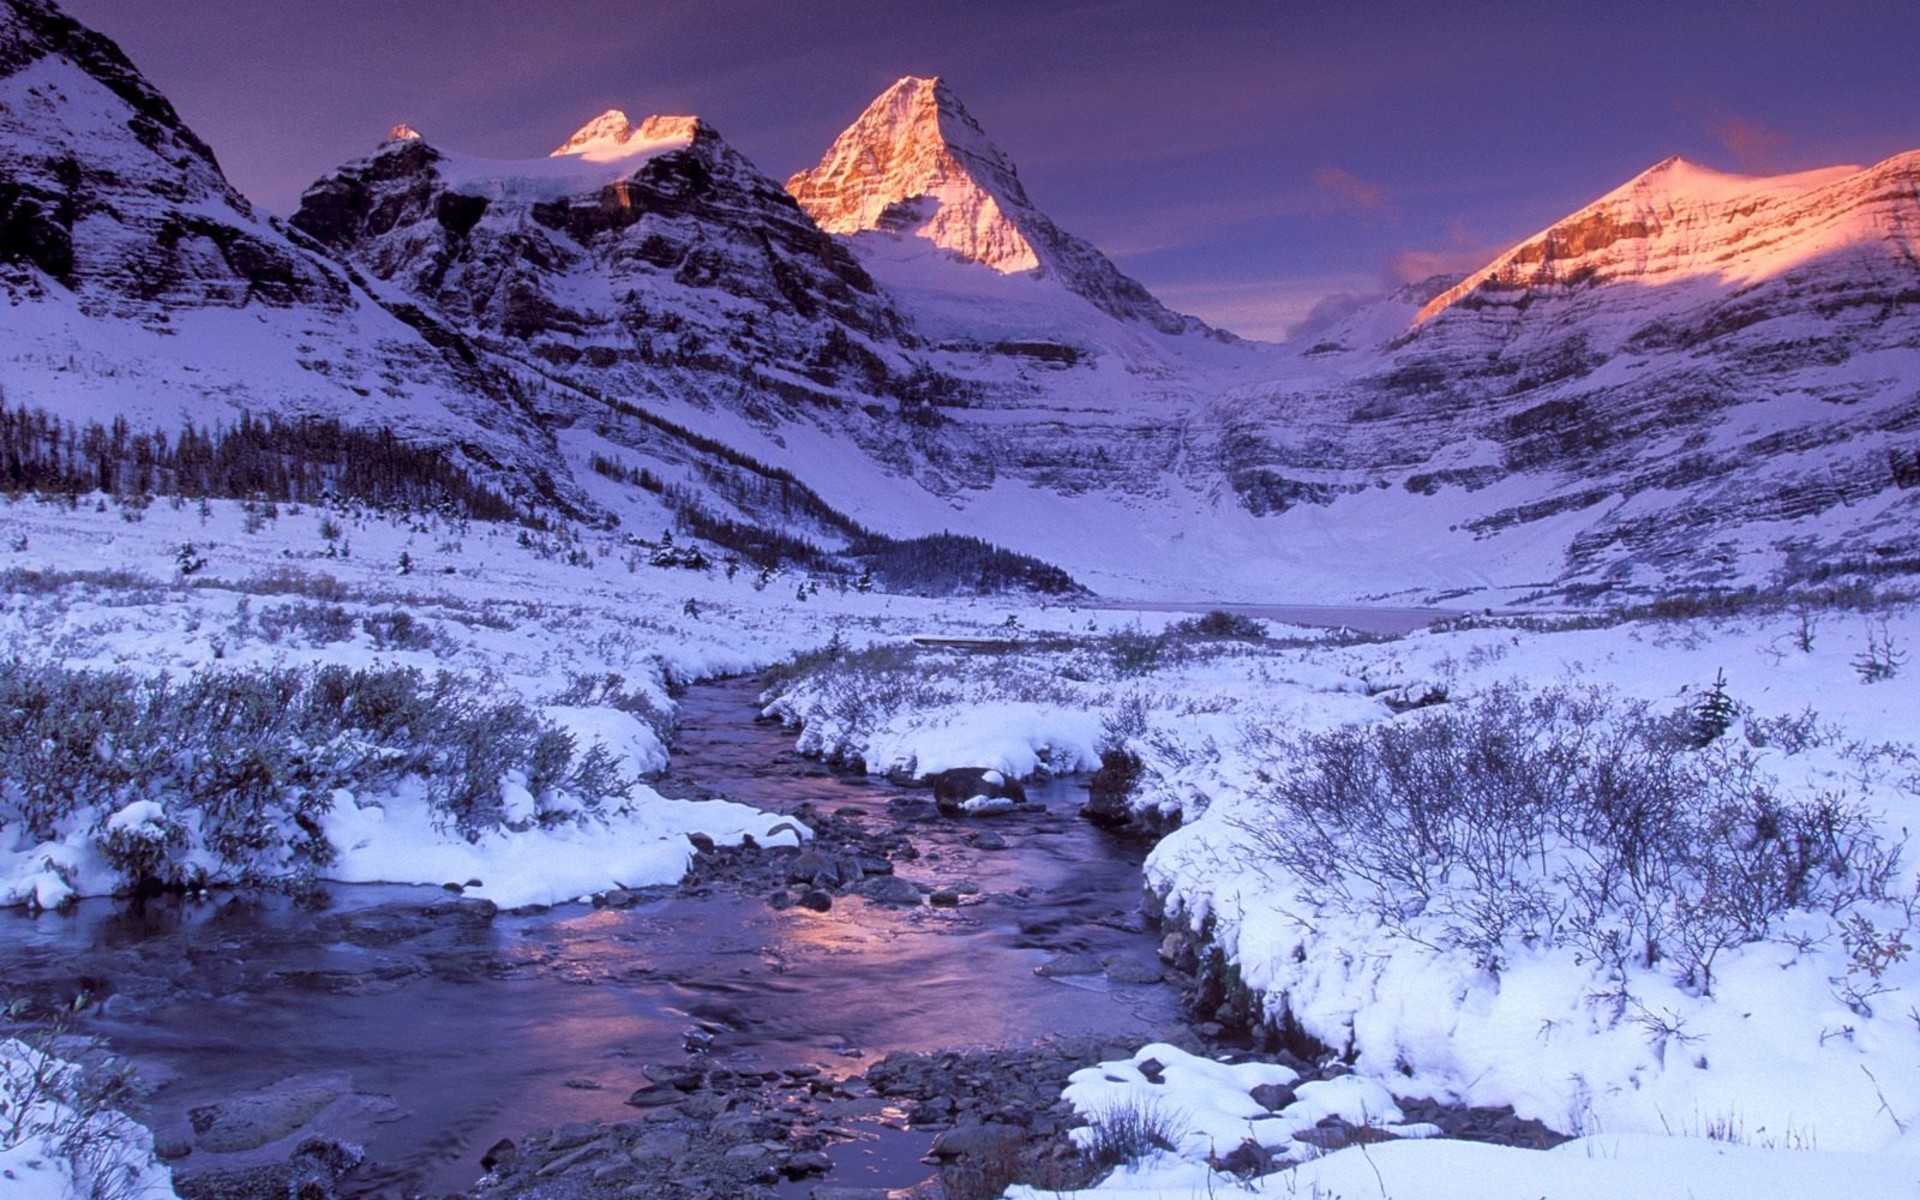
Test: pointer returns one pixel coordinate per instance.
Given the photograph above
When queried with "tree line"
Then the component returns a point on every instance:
(297, 460)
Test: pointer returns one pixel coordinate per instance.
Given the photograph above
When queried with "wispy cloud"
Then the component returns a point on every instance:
(1753, 145)
(1267, 310)
(1337, 189)
(1465, 253)
(1173, 226)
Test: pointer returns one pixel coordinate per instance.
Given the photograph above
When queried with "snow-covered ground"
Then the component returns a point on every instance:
(1802, 1043)
(580, 628)
(59, 1140)
(1801, 1035)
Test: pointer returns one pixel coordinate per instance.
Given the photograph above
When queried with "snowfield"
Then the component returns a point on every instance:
(1786, 1067)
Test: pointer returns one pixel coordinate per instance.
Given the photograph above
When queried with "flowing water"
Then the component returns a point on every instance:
(436, 1033)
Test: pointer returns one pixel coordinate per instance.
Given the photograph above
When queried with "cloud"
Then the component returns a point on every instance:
(1337, 189)
(1412, 266)
(1266, 310)
(1171, 224)
(1754, 146)
(1330, 311)
(1464, 254)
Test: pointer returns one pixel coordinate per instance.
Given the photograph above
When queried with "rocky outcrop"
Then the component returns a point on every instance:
(975, 791)
(105, 193)
(131, 261)
(633, 256)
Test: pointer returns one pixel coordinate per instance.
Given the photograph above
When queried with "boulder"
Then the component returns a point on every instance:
(890, 889)
(1069, 964)
(964, 790)
(250, 1121)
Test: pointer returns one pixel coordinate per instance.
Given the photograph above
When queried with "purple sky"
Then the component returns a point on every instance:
(1243, 158)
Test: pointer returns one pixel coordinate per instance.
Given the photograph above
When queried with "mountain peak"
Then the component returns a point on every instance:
(611, 137)
(916, 154)
(1678, 220)
(915, 163)
(609, 130)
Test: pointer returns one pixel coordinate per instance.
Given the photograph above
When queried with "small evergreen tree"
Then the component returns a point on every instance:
(1713, 715)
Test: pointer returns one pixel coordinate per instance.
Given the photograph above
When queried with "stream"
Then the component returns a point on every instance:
(405, 1020)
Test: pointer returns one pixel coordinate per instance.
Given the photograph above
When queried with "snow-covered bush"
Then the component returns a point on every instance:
(611, 690)
(62, 1134)
(231, 772)
(1556, 816)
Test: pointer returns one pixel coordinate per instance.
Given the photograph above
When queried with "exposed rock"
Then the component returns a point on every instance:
(890, 889)
(312, 1172)
(967, 790)
(251, 1121)
(1069, 964)
(1128, 971)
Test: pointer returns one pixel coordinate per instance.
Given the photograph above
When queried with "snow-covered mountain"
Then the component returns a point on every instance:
(916, 164)
(141, 285)
(1698, 379)
(651, 246)
(657, 271)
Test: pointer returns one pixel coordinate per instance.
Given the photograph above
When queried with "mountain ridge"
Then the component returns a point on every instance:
(1697, 380)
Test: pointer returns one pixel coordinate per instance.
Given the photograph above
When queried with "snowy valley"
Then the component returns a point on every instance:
(834, 690)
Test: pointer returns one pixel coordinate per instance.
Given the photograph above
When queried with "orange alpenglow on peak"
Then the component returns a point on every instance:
(1678, 221)
(611, 135)
(917, 147)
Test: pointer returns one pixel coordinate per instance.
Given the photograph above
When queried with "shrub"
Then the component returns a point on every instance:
(1220, 624)
(1128, 1130)
(245, 765)
(71, 1113)
(317, 624)
(1557, 817)
(396, 629)
(1132, 653)
(610, 691)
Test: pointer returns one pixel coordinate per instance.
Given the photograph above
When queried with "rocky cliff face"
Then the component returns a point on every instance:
(104, 193)
(916, 164)
(143, 286)
(648, 261)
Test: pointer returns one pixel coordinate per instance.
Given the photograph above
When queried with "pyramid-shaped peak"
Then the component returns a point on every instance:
(916, 164)
(914, 141)
(924, 108)
(917, 92)
(404, 132)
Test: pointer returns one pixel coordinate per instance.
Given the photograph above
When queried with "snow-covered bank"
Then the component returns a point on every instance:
(1197, 1111)
(1602, 1167)
(59, 1140)
(1770, 992)
(408, 699)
